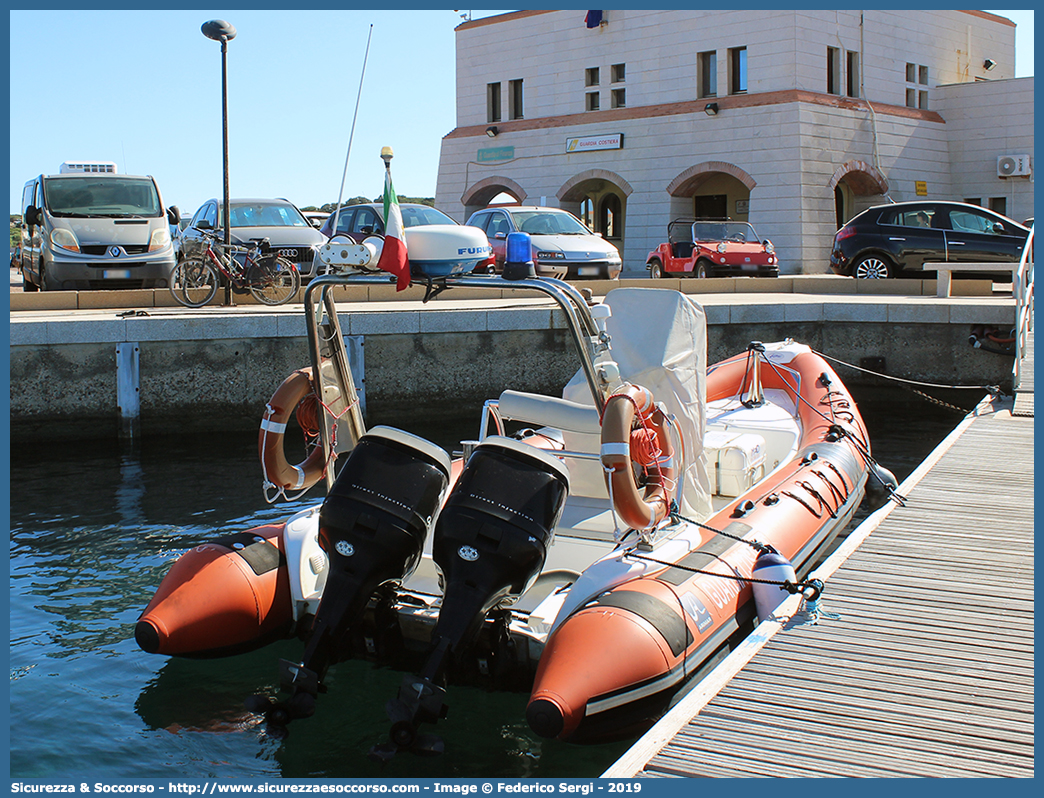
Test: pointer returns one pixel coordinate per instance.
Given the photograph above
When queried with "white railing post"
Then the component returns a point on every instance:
(1023, 290)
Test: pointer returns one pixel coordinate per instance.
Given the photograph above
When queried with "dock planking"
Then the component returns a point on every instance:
(928, 671)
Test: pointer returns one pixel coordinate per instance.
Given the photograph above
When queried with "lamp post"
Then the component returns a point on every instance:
(224, 32)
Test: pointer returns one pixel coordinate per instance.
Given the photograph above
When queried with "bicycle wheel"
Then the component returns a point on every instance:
(273, 280)
(193, 283)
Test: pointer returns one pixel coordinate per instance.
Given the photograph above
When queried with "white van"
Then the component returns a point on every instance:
(95, 167)
(86, 230)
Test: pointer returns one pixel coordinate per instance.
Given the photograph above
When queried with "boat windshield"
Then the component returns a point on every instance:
(94, 197)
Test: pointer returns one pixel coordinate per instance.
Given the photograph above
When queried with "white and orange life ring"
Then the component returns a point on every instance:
(648, 446)
(277, 471)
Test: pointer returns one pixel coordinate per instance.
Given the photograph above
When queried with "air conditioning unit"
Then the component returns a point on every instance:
(1013, 165)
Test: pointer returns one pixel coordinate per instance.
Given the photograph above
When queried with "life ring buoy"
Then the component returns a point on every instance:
(277, 471)
(649, 446)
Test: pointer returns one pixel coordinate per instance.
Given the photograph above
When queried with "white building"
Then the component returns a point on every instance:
(792, 120)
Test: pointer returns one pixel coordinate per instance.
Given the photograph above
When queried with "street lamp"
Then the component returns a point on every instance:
(224, 32)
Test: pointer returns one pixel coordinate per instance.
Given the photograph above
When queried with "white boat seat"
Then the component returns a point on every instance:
(549, 411)
(581, 432)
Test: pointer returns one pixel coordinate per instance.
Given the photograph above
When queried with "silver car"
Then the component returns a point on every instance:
(288, 232)
(562, 245)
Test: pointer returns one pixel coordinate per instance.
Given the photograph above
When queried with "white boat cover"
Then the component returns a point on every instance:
(659, 341)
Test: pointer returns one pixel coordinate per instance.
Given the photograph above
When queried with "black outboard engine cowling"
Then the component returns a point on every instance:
(372, 526)
(377, 515)
(492, 536)
(490, 543)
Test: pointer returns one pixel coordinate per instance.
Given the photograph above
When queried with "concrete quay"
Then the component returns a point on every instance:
(75, 356)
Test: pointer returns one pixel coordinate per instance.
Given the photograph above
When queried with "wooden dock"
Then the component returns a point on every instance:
(928, 671)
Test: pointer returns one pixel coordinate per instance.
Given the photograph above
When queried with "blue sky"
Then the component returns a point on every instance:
(150, 99)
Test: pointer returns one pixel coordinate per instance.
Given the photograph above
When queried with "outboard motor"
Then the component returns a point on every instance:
(490, 544)
(372, 526)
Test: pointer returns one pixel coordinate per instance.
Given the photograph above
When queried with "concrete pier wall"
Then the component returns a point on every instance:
(214, 371)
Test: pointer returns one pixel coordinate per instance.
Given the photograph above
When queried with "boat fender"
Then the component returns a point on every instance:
(880, 486)
(277, 471)
(649, 447)
(771, 568)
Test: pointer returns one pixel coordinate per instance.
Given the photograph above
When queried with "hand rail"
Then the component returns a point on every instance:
(1023, 290)
(329, 349)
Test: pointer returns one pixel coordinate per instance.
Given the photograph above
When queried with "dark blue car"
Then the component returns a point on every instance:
(898, 239)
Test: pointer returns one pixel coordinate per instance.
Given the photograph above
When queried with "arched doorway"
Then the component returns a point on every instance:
(497, 189)
(711, 190)
(598, 198)
(857, 185)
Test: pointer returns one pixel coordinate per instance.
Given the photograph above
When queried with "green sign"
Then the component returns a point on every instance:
(496, 154)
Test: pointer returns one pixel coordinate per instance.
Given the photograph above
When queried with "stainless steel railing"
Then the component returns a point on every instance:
(330, 363)
(1023, 290)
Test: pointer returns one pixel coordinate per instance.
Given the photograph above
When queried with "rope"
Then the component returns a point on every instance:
(760, 548)
(939, 402)
(860, 446)
(791, 587)
(993, 390)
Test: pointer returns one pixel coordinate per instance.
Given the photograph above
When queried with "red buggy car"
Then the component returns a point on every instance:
(710, 248)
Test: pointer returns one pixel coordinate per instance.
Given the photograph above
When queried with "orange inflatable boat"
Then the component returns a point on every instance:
(600, 548)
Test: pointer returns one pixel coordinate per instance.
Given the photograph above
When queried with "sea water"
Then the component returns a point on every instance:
(95, 526)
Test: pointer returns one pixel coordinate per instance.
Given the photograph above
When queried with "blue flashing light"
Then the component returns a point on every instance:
(519, 248)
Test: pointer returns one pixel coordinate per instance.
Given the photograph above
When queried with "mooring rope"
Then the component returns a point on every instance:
(993, 390)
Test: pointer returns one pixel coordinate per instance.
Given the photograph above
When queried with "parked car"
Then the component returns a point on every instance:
(316, 218)
(175, 234)
(288, 232)
(712, 248)
(95, 230)
(890, 240)
(562, 245)
(359, 221)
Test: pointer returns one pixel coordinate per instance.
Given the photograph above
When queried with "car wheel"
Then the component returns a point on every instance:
(27, 285)
(702, 269)
(45, 284)
(872, 267)
(655, 270)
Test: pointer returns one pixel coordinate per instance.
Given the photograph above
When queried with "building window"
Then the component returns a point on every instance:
(591, 76)
(916, 97)
(515, 98)
(619, 98)
(593, 101)
(618, 72)
(999, 205)
(853, 74)
(833, 70)
(493, 102)
(973, 200)
(737, 70)
(707, 74)
(609, 222)
(587, 213)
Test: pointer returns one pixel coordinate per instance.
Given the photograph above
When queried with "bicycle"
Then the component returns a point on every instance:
(271, 280)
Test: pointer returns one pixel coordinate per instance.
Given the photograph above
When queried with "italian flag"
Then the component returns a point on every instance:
(393, 256)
